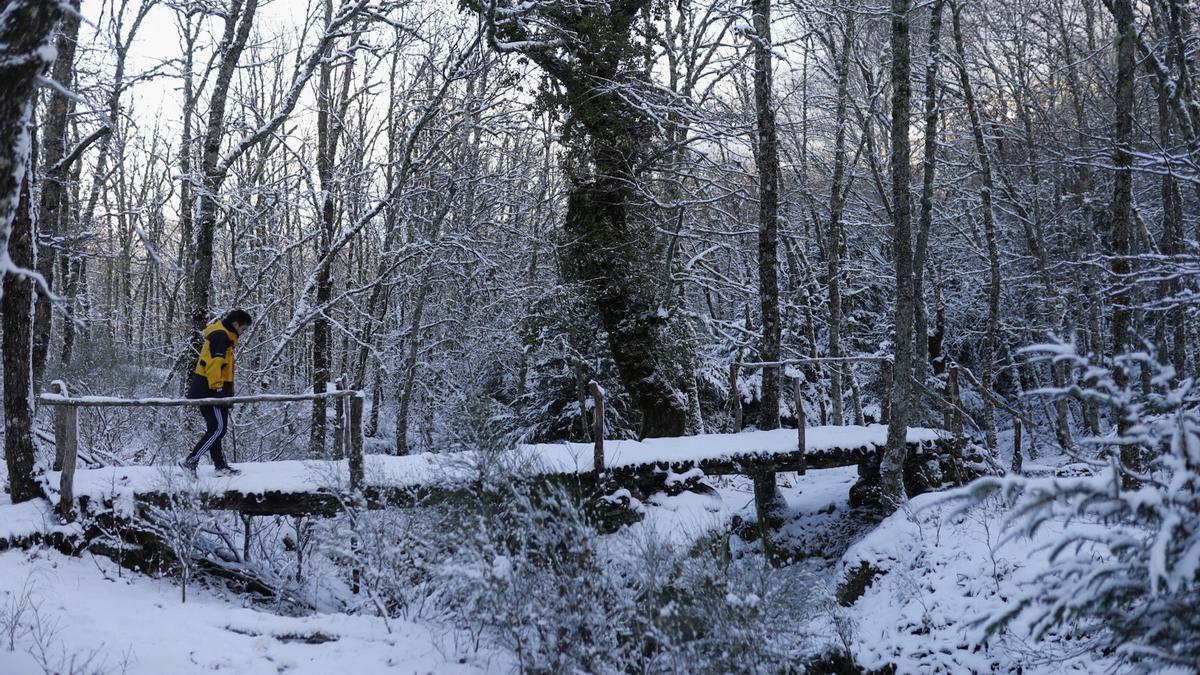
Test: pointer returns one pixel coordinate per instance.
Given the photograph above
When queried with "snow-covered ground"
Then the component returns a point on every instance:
(81, 610)
(940, 575)
(19, 521)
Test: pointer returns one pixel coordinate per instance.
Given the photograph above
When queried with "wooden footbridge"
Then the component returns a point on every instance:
(325, 486)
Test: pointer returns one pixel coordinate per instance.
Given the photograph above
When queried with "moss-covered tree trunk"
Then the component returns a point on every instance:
(595, 57)
(606, 255)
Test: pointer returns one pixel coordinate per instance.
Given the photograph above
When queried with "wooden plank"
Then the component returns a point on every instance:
(339, 425)
(646, 477)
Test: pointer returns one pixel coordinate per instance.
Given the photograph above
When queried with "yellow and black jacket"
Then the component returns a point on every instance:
(213, 375)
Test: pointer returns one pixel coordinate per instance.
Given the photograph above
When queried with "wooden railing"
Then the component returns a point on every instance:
(798, 381)
(347, 440)
(949, 400)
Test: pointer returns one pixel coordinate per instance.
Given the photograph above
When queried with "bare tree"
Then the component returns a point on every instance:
(767, 156)
(892, 468)
(27, 33)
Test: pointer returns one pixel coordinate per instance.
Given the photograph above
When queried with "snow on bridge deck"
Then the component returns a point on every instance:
(287, 483)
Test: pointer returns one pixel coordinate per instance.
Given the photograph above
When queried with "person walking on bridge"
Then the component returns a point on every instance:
(213, 378)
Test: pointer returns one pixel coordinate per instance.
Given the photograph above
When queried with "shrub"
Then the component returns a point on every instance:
(1127, 566)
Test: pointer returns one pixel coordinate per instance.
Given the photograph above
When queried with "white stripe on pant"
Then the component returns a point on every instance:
(194, 458)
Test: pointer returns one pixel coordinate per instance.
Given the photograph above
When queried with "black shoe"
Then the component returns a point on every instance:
(190, 468)
(228, 471)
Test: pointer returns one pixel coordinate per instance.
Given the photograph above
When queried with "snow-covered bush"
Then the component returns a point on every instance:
(528, 575)
(180, 525)
(533, 574)
(1126, 568)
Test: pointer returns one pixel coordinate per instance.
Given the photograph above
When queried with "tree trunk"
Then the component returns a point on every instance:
(408, 372)
(925, 221)
(328, 132)
(18, 346)
(26, 29)
(833, 246)
(892, 466)
(991, 335)
(767, 156)
(185, 258)
(1122, 202)
(238, 22)
(609, 139)
(603, 255)
(52, 209)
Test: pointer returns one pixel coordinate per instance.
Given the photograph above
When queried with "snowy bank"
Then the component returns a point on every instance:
(934, 578)
(76, 609)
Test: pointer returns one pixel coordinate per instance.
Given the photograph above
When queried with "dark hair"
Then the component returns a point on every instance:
(239, 316)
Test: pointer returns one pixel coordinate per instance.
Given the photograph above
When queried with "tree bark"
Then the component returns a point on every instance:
(26, 29)
(991, 335)
(238, 22)
(608, 139)
(408, 372)
(767, 155)
(52, 207)
(928, 171)
(892, 465)
(833, 246)
(190, 32)
(329, 129)
(1121, 209)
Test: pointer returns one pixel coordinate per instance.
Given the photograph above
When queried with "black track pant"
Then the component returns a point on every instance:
(217, 420)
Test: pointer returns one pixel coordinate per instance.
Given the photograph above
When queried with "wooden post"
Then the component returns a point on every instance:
(765, 508)
(1017, 460)
(339, 424)
(355, 442)
(597, 425)
(66, 448)
(735, 400)
(801, 421)
(60, 422)
(885, 401)
(948, 411)
(247, 525)
(954, 421)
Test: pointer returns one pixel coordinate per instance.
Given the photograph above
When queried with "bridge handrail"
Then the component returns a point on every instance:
(347, 436)
(869, 358)
(110, 401)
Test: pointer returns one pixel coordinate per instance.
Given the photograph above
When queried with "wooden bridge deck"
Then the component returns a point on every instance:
(318, 487)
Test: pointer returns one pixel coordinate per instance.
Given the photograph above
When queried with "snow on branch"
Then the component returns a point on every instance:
(1128, 558)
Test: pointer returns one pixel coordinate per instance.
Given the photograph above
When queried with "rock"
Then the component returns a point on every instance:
(924, 472)
(856, 582)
